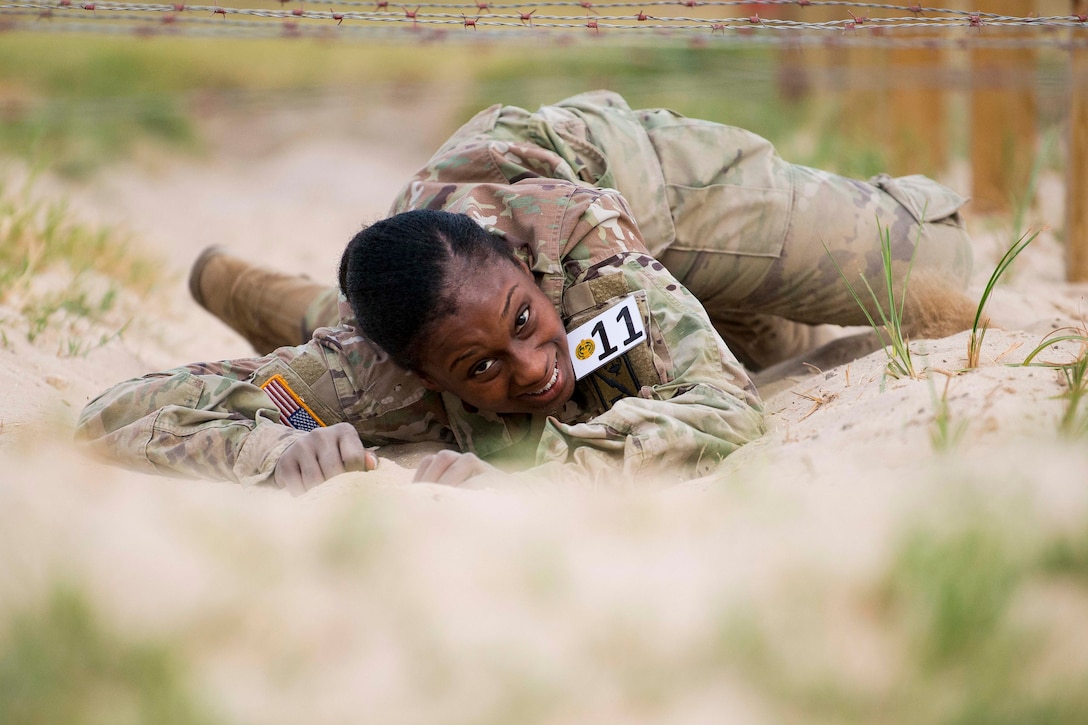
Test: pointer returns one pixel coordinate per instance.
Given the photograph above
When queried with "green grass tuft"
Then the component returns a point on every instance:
(944, 433)
(59, 664)
(981, 323)
(953, 589)
(1074, 420)
(1067, 555)
(890, 329)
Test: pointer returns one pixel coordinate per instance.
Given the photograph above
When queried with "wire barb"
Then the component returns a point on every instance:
(652, 21)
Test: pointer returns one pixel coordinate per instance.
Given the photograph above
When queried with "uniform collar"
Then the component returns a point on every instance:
(487, 434)
(481, 432)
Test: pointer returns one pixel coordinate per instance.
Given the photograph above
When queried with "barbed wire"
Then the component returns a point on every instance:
(915, 26)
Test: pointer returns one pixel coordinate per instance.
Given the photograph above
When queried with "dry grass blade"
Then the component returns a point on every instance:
(817, 401)
(60, 275)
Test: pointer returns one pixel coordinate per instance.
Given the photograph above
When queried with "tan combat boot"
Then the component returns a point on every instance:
(265, 307)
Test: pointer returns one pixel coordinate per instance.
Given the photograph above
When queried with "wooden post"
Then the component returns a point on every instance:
(865, 100)
(1002, 117)
(916, 119)
(864, 108)
(1076, 194)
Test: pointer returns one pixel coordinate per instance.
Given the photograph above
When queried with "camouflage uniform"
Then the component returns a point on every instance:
(745, 231)
(728, 220)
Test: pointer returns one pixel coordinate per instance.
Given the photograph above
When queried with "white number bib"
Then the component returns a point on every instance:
(605, 337)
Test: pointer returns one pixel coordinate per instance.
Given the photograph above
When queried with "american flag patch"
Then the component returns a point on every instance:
(293, 411)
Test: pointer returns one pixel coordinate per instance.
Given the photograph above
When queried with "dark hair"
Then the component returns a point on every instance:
(396, 272)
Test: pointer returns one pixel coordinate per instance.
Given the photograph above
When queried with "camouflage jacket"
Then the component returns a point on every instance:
(678, 401)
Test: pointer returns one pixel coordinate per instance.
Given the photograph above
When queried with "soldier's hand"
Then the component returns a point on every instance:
(321, 454)
(451, 468)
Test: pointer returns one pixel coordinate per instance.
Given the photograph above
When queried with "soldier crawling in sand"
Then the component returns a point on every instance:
(578, 292)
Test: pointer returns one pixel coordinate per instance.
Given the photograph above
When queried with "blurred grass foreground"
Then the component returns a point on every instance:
(966, 602)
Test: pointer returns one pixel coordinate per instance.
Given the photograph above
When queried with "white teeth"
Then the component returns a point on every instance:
(551, 383)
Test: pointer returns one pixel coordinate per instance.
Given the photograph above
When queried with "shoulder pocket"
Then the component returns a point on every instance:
(292, 393)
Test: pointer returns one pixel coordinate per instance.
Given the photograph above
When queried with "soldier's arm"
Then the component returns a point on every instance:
(234, 420)
(205, 421)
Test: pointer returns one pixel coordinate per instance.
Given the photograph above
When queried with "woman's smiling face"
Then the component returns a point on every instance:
(504, 348)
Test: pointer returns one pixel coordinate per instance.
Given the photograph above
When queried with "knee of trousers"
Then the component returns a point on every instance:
(944, 247)
(836, 232)
(922, 221)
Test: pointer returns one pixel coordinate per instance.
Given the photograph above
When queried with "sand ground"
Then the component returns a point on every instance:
(370, 600)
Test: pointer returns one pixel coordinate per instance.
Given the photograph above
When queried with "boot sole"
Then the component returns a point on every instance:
(197, 271)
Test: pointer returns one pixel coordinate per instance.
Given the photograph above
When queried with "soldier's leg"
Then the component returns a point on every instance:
(756, 234)
(269, 309)
(834, 238)
(760, 341)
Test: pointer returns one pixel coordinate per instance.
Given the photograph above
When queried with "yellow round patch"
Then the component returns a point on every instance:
(585, 348)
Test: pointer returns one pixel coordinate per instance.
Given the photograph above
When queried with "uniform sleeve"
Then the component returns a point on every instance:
(703, 407)
(204, 421)
(219, 420)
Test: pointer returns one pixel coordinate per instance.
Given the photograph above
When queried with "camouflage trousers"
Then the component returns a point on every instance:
(768, 246)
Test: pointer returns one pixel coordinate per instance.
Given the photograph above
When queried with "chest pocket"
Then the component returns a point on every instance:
(626, 375)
